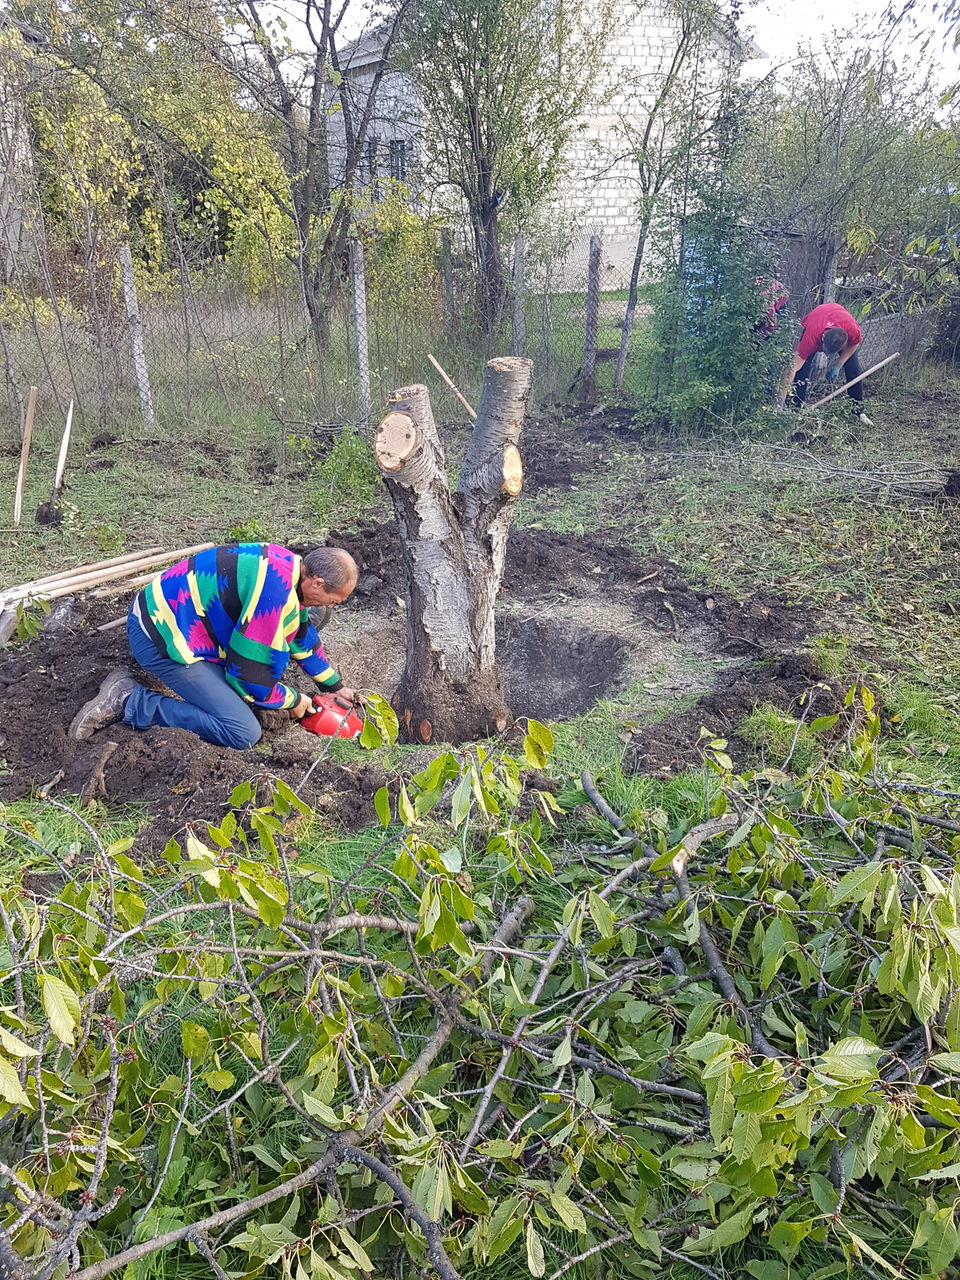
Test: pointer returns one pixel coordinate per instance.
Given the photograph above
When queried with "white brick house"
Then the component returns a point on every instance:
(599, 190)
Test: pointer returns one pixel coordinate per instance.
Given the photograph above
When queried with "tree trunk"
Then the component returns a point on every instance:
(454, 548)
(490, 280)
(631, 301)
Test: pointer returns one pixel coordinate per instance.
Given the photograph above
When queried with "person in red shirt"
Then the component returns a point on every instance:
(775, 297)
(831, 329)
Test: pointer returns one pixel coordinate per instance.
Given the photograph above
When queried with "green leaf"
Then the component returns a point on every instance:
(822, 723)
(15, 1046)
(452, 859)
(745, 1136)
(405, 810)
(945, 1061)
(569, 1213)
(10, 1088)
(381, 803)
(858, 884)
(948, 1171)
(602, 916)
(498, 1149)
(562, 1053)
(194, 1039)
(540, 734)
(62, 1007)
(460, 804)
(536, 1263)
(219, 1081)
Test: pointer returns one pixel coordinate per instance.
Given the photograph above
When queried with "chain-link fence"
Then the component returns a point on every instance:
(205, 338)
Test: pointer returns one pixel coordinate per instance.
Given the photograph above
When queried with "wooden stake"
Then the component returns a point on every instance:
(24, 454)
(449, 381)
(852, 383)
(61, 460)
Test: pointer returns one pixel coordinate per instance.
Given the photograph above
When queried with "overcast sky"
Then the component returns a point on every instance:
(781, 27)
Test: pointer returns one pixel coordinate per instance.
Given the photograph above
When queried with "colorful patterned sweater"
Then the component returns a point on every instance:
(238, 606)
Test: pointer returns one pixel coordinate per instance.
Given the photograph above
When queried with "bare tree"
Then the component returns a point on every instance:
(677, 106)
(454, 547)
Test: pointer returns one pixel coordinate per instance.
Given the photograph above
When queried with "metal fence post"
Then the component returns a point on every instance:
(592, 322)
(136, 336)
(358, 281)
(446, 270)
(519, 318)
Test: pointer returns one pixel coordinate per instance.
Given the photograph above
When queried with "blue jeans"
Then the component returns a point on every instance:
(210, 708)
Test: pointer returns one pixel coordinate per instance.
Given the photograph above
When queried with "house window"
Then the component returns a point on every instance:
(400, 151)
(372, 147)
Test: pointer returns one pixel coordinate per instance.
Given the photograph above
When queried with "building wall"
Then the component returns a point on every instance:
(600, 190)
(390, 149)
(599, 193)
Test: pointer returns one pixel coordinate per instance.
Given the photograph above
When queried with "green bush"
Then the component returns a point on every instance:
(345, 482)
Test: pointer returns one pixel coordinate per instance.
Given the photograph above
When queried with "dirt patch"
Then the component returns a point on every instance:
(791, 683)
(542, 564)
(581, 619)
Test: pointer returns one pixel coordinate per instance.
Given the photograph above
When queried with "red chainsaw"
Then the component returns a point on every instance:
(334, 717)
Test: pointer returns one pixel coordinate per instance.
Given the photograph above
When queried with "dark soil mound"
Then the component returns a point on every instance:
(174, 775)
(789, 682)
(541, 563)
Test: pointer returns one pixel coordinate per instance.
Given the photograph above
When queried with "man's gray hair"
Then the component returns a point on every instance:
(336, 567)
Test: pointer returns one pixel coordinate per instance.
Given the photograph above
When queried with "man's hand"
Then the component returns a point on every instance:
(303, 708)
(350, 695)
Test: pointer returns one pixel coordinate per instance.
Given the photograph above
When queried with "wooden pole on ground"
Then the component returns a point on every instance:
(24, 454)
(449, 381)
(66, 586)
(852, 383)
(64, 575)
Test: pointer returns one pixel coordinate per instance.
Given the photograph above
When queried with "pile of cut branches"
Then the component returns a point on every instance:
(599, 1043)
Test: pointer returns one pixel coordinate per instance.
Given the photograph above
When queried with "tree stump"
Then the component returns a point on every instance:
(454, 548)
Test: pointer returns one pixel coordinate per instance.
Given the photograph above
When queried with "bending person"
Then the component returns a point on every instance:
(219, 629)
(831, 329)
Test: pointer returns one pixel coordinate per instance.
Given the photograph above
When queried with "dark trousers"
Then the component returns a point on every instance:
(210, 708)
(851, 369)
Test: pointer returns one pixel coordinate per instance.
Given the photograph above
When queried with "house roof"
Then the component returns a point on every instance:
(367, 49)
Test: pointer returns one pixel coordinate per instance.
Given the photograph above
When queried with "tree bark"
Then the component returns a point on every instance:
(454, 548)
(631, 301)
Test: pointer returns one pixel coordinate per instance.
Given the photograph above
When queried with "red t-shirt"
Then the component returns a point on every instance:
(776, 297)
(829, 315)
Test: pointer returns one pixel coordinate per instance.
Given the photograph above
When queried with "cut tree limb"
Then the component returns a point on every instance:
(396, 440)
(341, 1147)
